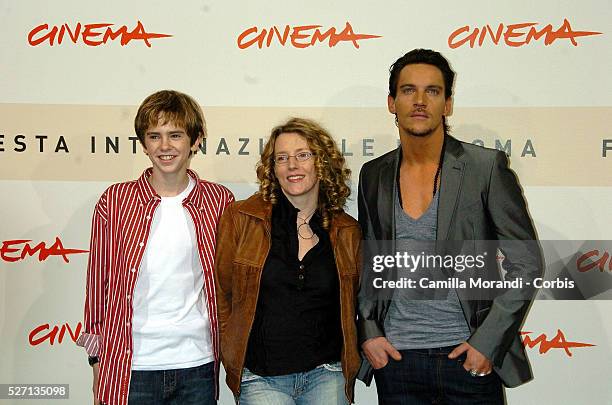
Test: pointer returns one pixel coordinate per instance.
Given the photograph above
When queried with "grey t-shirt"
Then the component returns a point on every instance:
(423, 324)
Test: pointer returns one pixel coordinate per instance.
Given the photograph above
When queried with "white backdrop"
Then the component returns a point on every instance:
(546, 105)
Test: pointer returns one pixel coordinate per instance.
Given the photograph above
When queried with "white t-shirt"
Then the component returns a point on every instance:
(170, 325)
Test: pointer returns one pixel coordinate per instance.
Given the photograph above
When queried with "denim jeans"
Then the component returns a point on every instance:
(428, 376)
(183, 386)
(323, 385)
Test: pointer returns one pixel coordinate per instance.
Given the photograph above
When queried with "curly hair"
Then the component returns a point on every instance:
(330, 167)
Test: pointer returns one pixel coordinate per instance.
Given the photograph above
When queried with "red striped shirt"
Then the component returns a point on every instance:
(120, 230)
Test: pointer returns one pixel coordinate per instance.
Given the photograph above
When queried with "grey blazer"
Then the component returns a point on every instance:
(480, 199)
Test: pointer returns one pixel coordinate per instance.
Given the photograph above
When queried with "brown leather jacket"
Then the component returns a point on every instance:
(243, 243)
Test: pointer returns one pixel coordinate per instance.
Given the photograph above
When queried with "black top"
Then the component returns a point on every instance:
(297, 320)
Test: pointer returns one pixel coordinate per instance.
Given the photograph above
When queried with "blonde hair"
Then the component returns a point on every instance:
(329, 163)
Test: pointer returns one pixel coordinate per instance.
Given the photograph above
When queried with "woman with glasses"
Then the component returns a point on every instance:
(287, 276)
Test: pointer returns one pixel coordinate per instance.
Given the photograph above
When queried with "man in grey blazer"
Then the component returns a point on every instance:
(459, 349)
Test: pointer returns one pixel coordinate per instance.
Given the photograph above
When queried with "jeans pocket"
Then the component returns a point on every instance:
(336, 366)
(479, 379)
(205, 371)
(386, 367)
(248, 376)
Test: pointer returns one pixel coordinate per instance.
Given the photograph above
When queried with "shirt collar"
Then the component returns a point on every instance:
(147, 192)
(289, 213)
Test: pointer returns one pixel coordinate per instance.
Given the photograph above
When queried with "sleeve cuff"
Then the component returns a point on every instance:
(368, 329)
(90, 342)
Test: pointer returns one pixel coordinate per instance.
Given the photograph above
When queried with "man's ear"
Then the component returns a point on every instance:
(448, 107)
(196, 145)
(391, 104)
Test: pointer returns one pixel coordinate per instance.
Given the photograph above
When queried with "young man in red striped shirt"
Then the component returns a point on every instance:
(150, 313)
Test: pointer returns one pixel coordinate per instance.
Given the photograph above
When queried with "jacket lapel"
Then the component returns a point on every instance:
(451, 179)
(387, 190)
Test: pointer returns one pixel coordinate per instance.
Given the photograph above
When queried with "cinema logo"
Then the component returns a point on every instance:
(18, 249)
(515, 35)
(558, 342)
(300, 36)
(592, 259)
(90, 34)
(47, 334)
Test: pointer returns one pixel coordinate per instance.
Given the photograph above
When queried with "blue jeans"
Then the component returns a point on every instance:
(183, 386)
(428, 376)
(323, 385)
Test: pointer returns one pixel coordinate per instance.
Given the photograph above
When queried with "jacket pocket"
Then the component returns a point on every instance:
(242, 271)
(481, 314)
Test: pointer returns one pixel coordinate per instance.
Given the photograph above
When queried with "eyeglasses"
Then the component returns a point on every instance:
(283, 158)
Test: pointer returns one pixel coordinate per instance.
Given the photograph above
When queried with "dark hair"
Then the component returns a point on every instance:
(428, 57)
(170, 106)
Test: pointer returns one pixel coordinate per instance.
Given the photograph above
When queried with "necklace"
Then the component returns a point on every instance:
(435, 188)
(436, 177)
(435, 185)
(307, 229)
